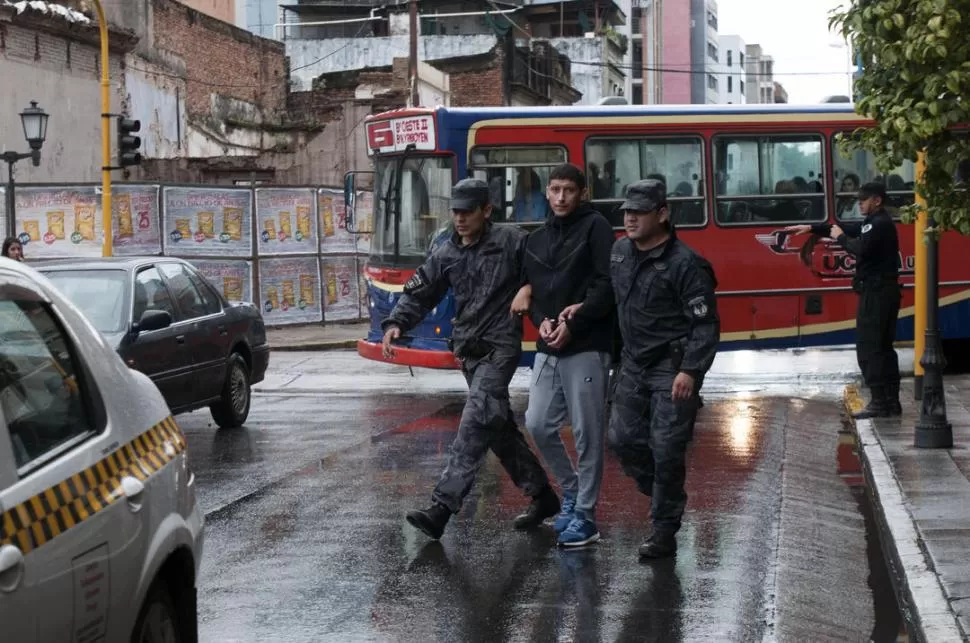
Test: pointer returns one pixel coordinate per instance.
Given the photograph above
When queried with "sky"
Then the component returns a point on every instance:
(796, 35)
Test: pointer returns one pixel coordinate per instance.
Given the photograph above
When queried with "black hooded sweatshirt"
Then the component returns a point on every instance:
(567, 261)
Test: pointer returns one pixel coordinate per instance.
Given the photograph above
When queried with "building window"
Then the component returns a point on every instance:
(769, 180)
(729, 52)
(742, 87)
(636, 19)
(712, 82)
(712, 51)
(730, 84)
(741, 58)
(637, 95)
(712, 19)
(638, 59)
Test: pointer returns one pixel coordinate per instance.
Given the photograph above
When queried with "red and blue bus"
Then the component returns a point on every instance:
(735, 175)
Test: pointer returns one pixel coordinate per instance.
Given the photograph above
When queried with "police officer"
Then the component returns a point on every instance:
(670, 330)
(481, 263)
(874, 243)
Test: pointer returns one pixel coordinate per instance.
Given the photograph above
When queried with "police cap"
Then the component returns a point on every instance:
(469, 194)
(645, 195)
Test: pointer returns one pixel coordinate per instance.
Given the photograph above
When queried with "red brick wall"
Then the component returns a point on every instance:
(229, 61)
(481, 87)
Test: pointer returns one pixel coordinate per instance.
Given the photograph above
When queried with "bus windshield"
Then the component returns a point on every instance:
(411, 208)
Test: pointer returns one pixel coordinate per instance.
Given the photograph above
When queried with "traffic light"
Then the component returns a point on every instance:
(128, 144)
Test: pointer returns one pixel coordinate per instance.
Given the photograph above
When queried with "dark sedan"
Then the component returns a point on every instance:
(166, 320)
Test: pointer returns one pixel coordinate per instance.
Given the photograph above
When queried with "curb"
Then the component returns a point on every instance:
(316, 346)
(923, 604)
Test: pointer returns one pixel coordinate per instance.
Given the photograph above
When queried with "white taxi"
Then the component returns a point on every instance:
(100, 533)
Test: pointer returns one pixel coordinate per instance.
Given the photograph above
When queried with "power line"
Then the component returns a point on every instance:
(670, 70)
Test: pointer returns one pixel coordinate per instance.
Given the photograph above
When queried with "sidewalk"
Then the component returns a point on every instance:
(316, 337)
(922, 498)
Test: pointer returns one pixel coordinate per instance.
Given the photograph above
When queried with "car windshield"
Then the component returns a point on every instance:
(100, 294)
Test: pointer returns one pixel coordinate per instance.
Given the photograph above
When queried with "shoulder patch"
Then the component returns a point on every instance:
(698, 306)
(415, 282)
(866, 228)
(616, 258)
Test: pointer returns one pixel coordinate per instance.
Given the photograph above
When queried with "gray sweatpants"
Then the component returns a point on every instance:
(574, 387)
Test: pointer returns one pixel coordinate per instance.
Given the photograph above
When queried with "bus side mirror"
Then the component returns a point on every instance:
(350, 197)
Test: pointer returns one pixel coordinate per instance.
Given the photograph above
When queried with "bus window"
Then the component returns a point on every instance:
(769, 179)
(410, 208)
(518, 177)
(859, 168)
(612, 164)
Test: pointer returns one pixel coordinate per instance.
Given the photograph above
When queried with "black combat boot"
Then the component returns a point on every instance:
(660, 544)
(877, 407)
(544, 505)
(431, 521)
(894, 408)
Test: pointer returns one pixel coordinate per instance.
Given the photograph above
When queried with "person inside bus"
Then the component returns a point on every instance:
(566, 262)
(783, 209)
(530, 203)
(686, 212)
(874, 242)
(13, 249)
(481, 264)
(848, 207)
(670, 328)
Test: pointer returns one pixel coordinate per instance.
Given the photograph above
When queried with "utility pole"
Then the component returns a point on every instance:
(413, 59)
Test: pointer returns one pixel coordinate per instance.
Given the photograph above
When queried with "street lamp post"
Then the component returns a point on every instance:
(34, 121)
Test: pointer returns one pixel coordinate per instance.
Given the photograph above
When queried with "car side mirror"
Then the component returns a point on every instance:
(152, 320)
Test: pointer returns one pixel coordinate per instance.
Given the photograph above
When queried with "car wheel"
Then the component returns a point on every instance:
(158, 621)
(233, 408)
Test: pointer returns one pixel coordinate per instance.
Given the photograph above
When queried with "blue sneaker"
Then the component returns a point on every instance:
(579, 533)
(566, 515)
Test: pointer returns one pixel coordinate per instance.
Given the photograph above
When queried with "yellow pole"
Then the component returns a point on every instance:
(919, 280)
(106, 249)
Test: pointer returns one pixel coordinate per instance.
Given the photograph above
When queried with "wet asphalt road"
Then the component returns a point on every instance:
(305, 537)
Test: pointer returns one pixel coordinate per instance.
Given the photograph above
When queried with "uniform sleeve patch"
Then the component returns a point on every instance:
(415, 282)
(866, 228)
(616, 258)
(698, 306)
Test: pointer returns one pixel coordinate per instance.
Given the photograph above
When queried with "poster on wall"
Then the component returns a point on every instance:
(135, 220)
(208, 221)
(364, 211)
(362, 288)
(334, 237)
(232, 277)
(59, 221)
(285, 221)
(341, 288)
(289, 290)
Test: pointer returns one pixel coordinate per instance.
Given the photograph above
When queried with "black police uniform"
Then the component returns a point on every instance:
(669, 324)
(484, 277)
(874, 242)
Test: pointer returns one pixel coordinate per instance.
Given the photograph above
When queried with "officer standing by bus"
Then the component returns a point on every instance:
(670, 329)
(481, 263)
(874, 242)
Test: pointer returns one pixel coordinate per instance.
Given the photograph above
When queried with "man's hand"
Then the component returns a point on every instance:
(560, 337)
(390, 335)
(569, 312)
(523, 301)
(546, 329)
(683, 387)
(836, 232)
(798, 229)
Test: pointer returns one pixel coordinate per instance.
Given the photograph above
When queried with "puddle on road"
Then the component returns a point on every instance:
(889, 626)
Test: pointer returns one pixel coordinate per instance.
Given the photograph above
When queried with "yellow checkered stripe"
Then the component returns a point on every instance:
(42, 518)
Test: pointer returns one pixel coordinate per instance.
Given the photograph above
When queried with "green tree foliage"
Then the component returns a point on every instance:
(915, 84)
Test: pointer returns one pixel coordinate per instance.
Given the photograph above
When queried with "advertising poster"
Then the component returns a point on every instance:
(59, 221)
(334, 237)
(135, 220)
(285, 221)
(362, 288)
(232, 277)
(341, 288)
(208, 221)
(289, 290)
(365, 221)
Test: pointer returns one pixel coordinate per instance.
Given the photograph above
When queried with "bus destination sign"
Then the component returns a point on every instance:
(396, 134)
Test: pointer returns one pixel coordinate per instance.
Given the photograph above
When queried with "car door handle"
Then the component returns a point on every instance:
(180, 339)
(134, 490)
(11, 568)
